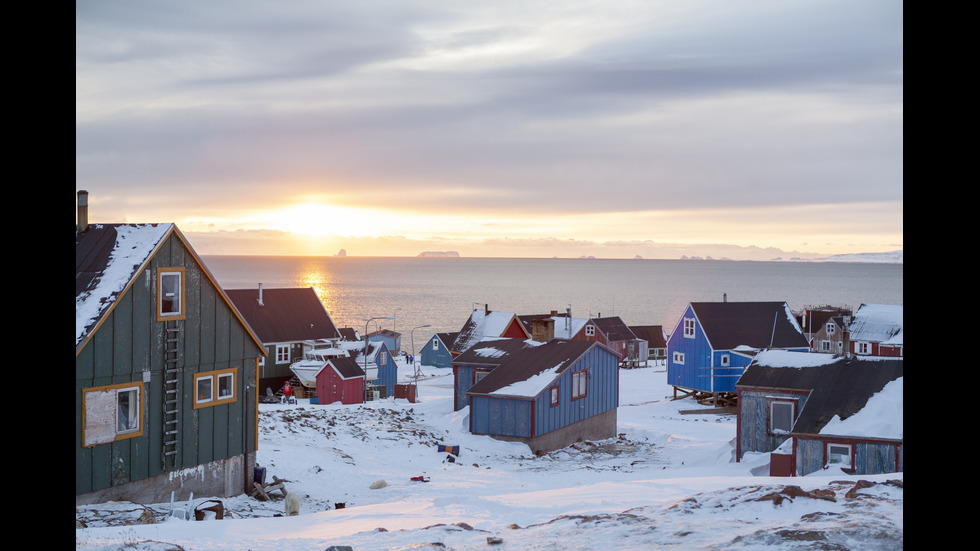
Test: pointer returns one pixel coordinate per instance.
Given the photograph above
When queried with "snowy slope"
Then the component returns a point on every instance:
(668, 480)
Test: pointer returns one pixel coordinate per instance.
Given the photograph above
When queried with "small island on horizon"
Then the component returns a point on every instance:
(439, 254)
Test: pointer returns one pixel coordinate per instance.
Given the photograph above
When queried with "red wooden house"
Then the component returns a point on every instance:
(340, 380)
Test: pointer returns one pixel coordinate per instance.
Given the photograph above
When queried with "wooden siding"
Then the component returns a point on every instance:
(501, 416)
(870, 457)
(602, 393)
(387, 372)
(442, 357)
(330, 388)
(527, 418)
(697, 353)
(131, 342)
(753, 419)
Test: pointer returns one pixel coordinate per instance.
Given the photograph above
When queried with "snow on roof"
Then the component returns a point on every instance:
(532, 385)
(881, 323)
(566, 328)
(134, 245)
(882, 417)
(788, 358)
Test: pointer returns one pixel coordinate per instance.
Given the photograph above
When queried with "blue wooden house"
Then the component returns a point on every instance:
(436, 353)
(392, 339)
(713, 342)
(482, 358)
(549, 396)
(812, 411)
(381, 372)
(165, 370)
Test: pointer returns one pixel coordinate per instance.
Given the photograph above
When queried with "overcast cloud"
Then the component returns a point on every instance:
(506, 107)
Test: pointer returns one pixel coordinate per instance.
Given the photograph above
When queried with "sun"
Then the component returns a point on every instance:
(317, 220)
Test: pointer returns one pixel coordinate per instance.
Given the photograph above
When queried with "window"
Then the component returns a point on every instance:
(383, 359)
(688, 328)
(111, 413)
(554, 396)
(435, 344)
(282, 353)
(840, 455)
(826, 346)
(782, 414)
(170, 293)
(726, 360)
(214, 388)
(226, 386)
(679, 358)
(580, 384)
(862, 348)
(831, 328)
(479, 374)
(590, 330)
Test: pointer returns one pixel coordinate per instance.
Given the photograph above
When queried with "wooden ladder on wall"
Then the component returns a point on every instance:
(171, 393)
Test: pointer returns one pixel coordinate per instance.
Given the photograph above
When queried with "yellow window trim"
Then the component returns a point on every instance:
(214, 375)
(183, 284)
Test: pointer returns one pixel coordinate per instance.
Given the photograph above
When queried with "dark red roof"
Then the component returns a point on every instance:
(286, 315)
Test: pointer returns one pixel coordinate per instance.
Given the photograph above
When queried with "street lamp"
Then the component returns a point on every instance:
(413, 358)
(366, 323)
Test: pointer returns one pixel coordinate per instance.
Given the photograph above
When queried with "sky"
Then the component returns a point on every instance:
(503, 129)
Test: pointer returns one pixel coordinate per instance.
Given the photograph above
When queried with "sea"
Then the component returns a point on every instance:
(419, 296)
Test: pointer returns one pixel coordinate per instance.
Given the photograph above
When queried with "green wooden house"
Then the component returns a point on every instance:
(165, 371)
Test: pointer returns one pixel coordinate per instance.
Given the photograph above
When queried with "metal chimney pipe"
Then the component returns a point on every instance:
(82, 203)
(260, 295)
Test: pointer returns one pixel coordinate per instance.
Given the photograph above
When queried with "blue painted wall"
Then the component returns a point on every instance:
(435, 353)
(513, 416)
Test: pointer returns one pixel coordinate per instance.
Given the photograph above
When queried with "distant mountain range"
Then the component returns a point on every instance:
(892, 257)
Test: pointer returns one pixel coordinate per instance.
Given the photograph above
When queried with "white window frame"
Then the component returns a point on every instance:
(479, 374)
(282, 354)
(555, 396)
(224, 395)
(689, 326)
(781, 403)
(580, 384)
(826, 346)
(831, 328)
(435, 344)
(679, 358)
(165, 309)
(210, 381)
(726, 360)
(862, 347)
(843, 451)
(590, 330)
(104, 418)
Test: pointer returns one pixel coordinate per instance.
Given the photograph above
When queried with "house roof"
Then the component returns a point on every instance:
(285, 315)
(346, 367)
(356, 349)
(108, 257)
(839, 388)
(482, 324)
(880, 323)
(388, 333)
(493, 352)
(728, 325)
(348, 334)
(447, 338)
(529, 372)
(614, 329)
(653, 334)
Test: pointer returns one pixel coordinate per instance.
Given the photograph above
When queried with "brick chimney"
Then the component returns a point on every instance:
(81, 224)
(542, 329)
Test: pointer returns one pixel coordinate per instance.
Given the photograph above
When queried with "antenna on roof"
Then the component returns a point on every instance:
(775, 317)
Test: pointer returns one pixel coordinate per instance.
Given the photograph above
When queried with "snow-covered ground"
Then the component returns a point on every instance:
(669, 479)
